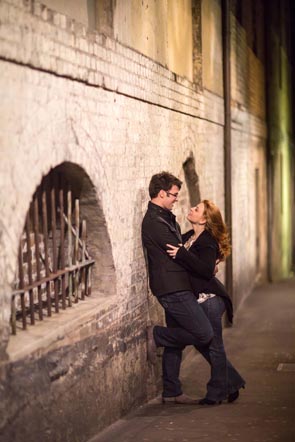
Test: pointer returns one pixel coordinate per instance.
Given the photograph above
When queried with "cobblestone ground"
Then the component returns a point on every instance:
(262, 339)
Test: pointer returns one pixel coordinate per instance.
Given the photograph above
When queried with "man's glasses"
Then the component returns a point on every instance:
(175, 195)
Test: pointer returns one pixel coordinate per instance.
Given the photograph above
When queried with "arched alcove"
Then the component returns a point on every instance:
(98, 241)
(65, 254)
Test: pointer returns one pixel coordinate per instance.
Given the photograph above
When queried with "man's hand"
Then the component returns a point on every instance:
(173, 250)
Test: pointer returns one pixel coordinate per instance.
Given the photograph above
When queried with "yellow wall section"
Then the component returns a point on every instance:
(212, 46)
(160, 29)
(180, 59)
(75, 9)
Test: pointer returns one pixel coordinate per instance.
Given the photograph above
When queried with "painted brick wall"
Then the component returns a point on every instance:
(71, 95)
(67, 95)
(248, 154)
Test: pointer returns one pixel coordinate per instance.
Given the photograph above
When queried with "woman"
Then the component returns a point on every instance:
(209, 241)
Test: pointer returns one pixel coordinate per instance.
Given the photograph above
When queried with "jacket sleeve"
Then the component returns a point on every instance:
(201, 263)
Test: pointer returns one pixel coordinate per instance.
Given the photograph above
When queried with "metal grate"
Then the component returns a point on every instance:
(54, 267)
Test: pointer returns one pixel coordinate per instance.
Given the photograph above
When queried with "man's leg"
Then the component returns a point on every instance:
(171, 361)
(186, 324)
(193, 328)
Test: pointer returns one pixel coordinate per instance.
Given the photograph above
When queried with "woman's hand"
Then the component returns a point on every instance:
(173, 250)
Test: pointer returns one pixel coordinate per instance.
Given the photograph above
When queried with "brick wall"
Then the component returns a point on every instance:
(69, 95)
(248, 155)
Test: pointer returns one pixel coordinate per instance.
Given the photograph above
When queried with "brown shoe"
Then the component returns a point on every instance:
(151, 345)
(182, 399)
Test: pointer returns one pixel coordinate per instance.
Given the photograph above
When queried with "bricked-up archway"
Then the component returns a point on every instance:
(192, 180)
(64, 236)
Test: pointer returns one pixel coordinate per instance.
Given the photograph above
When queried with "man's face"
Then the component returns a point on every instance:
(169, 197)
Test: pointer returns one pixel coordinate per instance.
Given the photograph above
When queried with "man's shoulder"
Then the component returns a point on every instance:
(149, 215)
(149, 221)
(156, 213)
(153, 219)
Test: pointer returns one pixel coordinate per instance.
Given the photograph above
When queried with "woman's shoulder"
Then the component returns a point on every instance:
(207, 239)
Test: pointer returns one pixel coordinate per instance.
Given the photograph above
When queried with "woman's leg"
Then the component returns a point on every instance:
(217, 385)
(224, 377)
(235, 380)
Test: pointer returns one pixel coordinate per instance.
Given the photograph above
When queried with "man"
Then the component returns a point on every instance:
(186, 322)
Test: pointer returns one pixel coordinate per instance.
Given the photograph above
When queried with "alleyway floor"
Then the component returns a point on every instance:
(262, 339)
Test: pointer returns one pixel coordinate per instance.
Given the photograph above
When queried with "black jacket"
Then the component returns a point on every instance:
(205, 249)
(166, 275)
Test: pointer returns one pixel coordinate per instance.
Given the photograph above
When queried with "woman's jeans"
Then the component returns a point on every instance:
(224, 377)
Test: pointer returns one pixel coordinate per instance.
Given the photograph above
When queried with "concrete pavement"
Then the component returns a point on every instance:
(262, 339)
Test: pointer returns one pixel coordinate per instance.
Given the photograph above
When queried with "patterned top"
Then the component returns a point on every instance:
(189, 242)
(204, 296)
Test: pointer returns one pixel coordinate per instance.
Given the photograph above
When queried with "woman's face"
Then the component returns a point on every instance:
(196, 214)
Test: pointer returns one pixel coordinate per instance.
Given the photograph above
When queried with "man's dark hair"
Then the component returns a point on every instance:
(162, 181)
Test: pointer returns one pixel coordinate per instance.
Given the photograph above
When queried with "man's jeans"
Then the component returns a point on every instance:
(224, 377)
(187, 324)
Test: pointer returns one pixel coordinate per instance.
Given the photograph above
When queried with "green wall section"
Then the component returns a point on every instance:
(281, 144)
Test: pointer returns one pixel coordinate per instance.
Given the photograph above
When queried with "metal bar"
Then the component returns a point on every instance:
(88, 281)
(42, 257)
(226, 41)
(37, 253)
(87, 271)
(45, 235)
(270, 160)
(30, 271)
(62, 242)
(83, 271)
(52, 276)
(74, 233)
(77, 227)
(76, 249)
(13, 316)
(21, 285)
(69, 201)
(66, 273)
(54, 246)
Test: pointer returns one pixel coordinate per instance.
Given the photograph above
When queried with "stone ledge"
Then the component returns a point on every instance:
(68, 326)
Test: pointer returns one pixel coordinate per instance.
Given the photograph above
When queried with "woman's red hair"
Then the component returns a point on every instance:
(217, 227)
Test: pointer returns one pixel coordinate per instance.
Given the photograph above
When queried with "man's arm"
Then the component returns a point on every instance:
(201, 264)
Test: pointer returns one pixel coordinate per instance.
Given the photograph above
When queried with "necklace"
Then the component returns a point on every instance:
(190, 241)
